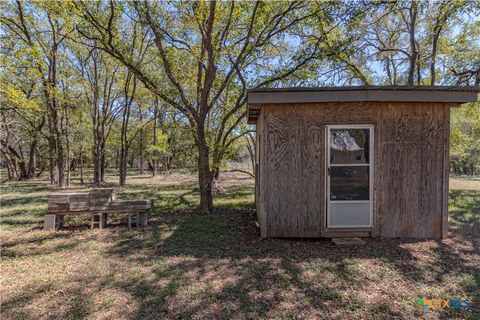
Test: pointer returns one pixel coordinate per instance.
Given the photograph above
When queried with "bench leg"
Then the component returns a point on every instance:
(99, 219)
(130, 220)
(50, 222)
(103, 220)
(60, 221)
(142, 219)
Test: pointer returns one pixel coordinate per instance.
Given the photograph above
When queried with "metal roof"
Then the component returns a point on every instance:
(366, 88)
(445, 94)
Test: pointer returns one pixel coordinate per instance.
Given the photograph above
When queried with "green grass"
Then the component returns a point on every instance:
(189, 266)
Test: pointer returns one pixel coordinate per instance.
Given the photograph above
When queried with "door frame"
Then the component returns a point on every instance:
(371, 166)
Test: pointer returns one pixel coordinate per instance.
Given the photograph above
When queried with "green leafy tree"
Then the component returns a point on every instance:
(199, 50)
(39, 30)
(465, 139)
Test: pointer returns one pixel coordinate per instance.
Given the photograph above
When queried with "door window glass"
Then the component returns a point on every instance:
(349, 183)
(349, 146)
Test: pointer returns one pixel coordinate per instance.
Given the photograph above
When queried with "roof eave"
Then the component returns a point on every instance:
(454, 95)
(261, 97)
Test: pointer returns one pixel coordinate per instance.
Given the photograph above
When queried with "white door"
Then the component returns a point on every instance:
(349, 176)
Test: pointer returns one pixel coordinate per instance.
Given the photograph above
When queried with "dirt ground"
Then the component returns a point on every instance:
(189, 266)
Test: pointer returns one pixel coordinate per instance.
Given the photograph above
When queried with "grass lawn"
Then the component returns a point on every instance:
(207, 267)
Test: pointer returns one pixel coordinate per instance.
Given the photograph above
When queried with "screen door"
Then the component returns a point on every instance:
(349, 176)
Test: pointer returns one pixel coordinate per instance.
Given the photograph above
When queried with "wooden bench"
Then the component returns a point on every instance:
(98, 203)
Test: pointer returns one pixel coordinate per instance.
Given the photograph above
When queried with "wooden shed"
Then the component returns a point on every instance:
(368, 161)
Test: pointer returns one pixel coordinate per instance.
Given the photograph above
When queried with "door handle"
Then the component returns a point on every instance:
(329, 171)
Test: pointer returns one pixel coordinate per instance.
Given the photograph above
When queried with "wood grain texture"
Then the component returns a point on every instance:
(263, 174)
(409, 176)
(446, 168)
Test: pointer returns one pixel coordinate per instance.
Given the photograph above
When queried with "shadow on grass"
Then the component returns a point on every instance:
(24, 200)
(216, 266)
(464, 224)
(262, 270)
(465, 211)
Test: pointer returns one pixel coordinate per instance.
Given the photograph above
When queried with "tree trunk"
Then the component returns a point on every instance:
(40, 170)
(23, 169)
(102, 165)
(387, 68)
(168, 159)
(52, 161)
(68, 166)
(100, 107)
(15, 158)
(419, 67)
(67, 142)
(11, 165)
(8, 164)
(10, 172)
(98, 155)
(205, 175)
(122, 174)
(52, 101)
(142, 147)
(60, 155)
(81, 164)
(251, 148)
(413, 46)
(123, 167)
(155, 139)
(116, 159)
(97, 162)
(60, 161)
(433, 59)
(124, 143)
(32, 159)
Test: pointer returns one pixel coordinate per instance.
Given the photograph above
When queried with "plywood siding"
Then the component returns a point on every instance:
(259, 165)
(446, 169)
(409, 189)
(412, 143)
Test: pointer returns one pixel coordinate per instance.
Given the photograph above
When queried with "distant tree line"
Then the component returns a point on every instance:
(156, 86)
(465, 140)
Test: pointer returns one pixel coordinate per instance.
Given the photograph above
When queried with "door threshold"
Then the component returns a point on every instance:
(365, 233)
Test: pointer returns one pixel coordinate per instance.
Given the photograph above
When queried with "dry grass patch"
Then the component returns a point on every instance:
(186, 266)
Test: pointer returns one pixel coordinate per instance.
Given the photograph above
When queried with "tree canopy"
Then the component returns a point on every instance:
(160, 85)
